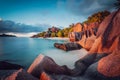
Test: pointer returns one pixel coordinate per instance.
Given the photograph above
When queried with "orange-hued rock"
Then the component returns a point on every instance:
(108, 41)
(107, 36)
(72, 37)
(87, 42)
(20, 75)
(84, 34)
(44, 76)
(78, 27)
(46, 64)
(88, 26)
(110, 66)
(35, 64)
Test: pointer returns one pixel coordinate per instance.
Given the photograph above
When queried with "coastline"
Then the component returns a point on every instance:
(70, 57)
(55, 38)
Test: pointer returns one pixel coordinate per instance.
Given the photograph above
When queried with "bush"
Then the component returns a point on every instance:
(97, 17)
(60, 34)
(53, 34)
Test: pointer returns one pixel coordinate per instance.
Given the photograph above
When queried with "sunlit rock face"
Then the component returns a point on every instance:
(84, 34)
(87, 42)
(108, 41)
(46, 64)
(35, 69)
(78, 27)
(44, 76)
(110, 66)
(88, 26)
(108, 36)
(105, 40)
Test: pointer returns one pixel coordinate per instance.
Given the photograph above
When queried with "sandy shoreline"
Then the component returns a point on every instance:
(55, 38)
(66, 58)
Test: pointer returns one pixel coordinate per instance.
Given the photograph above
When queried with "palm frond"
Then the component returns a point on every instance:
(117, 4)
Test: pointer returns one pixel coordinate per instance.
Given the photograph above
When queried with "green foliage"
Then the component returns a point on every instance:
(60, 34)
(66, 31)
(53, 34)
(97, 17)
(117, 4)
(41, 34)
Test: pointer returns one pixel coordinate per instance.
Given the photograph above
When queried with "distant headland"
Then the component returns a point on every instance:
(6, 35)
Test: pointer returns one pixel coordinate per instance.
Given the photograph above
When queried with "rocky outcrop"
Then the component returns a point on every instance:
(86, 36)
(20, 75)
(101, 63)
(60, 46)
(84, 29)
(108, 36)
(7, 35)
(46, 64)
(108, 41)
(9, 66)
(67, 46)
(103, 59)
(78, 27)
(44, 76)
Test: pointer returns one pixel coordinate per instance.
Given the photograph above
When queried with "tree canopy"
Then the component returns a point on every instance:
(97, 17)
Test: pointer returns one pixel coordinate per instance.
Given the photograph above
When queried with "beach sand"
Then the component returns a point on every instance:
(55, 38)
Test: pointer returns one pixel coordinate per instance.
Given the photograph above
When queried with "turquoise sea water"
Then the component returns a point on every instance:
(23, 51)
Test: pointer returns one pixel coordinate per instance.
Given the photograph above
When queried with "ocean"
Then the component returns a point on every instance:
(23, 51)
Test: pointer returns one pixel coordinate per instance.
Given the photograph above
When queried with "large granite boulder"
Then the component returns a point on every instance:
(68, 46)
(86, 30)
(107, 37)
(78, 27)
(87, 43)
(110, 66)
(46, 64)
(60, 46)
(108, 41)
(88, 26)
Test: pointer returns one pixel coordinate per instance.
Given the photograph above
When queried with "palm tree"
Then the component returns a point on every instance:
(117, 4)
(110, 25)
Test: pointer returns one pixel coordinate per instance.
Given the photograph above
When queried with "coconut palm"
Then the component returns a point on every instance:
(117, 4)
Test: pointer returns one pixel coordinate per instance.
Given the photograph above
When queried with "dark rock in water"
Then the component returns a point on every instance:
(68, 46)
(46, 64)
(60, 46)
(9, 66)
(20, 75)
(6, 35)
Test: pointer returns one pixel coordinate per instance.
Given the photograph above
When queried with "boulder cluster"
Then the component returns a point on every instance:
(101, 63)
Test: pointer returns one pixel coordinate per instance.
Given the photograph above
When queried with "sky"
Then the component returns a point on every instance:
(51, 12)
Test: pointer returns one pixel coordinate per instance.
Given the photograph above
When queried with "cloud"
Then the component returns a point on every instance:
(10, 26)
(22, 34)
(88, 7)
